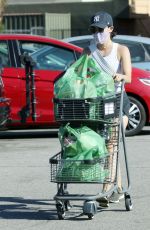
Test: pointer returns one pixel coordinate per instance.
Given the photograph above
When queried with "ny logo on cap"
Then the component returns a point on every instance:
(96, 18)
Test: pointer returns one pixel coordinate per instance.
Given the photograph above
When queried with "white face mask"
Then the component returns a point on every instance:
(101, 37)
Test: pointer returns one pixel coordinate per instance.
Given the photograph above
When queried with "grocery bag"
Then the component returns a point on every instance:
(74, 83)
(80, 145)
(103, 82)
(76, 142)
(84, 79)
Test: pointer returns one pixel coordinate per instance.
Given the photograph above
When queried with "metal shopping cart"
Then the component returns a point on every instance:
(104, 115)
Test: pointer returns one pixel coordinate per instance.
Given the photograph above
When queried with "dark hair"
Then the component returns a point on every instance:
(113, 34)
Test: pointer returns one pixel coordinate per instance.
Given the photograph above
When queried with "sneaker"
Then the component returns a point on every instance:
(116, 197)
(103, 202)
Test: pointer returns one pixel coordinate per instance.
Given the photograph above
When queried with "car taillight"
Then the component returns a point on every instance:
(1, 88)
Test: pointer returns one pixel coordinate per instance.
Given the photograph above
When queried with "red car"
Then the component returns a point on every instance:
(4, 106)
(52, 57)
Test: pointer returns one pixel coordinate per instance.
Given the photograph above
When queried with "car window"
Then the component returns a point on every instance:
(147, 47)
(4, 55)
(81, 43)
(48, 57)
(137, 51)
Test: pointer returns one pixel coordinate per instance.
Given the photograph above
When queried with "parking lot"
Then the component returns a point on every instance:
(26, 193)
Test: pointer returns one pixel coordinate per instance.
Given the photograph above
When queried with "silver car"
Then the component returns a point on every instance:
(139, 47)
(140, 55)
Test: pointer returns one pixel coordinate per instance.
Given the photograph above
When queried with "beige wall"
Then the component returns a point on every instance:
(140, 6)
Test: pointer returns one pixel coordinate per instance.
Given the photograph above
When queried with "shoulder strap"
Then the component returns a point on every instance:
(100, 60)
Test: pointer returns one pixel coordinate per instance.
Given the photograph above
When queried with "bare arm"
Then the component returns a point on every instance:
(125, 58)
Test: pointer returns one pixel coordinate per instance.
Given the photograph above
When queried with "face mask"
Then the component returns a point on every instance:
(101, 37)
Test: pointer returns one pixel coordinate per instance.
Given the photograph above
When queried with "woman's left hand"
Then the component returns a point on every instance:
(118, 77)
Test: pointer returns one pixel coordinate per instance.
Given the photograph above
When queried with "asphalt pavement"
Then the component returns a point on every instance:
(26, 193)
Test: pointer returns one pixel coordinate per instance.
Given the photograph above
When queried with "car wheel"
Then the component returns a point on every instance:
(137, 117)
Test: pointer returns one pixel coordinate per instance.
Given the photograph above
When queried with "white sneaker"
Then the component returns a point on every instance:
(116, 197)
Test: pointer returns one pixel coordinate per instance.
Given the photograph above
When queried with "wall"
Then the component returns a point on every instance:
(82, 12)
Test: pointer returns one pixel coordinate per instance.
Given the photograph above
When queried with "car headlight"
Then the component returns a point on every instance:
(145, 81)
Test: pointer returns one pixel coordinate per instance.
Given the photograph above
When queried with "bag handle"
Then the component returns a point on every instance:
(65, 130)
(80, 66)
(92, 66)
(72, 131)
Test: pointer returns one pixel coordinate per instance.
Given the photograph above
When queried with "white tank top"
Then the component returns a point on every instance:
(115, 64)
(112, 59)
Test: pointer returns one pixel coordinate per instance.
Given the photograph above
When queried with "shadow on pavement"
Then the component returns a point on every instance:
(30, 209)
(36, 209)
(144, 132)
(28, 134)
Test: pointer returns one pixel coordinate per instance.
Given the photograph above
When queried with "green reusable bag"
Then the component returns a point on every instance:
(78, 141)
(74, 83)
(103, 82)
(72, 172)
(79, 145)
(84, 79)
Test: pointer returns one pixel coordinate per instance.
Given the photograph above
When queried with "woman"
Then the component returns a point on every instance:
(118, 60)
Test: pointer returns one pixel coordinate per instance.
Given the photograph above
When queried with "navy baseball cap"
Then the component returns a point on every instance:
(101, 19)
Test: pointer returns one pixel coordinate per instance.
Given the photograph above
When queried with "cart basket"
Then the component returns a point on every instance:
(80, 171)
(90, 109)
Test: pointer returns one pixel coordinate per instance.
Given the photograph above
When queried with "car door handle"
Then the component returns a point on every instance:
(37, 77)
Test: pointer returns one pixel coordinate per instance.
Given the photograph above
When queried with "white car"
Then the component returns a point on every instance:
(139, 47)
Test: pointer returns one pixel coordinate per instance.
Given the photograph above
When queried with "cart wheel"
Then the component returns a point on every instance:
(90, 216)
(128, 203)
(60, 211)
(90, 208)
(67, 205)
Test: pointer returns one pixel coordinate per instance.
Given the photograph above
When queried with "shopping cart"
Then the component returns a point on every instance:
(104, 115)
